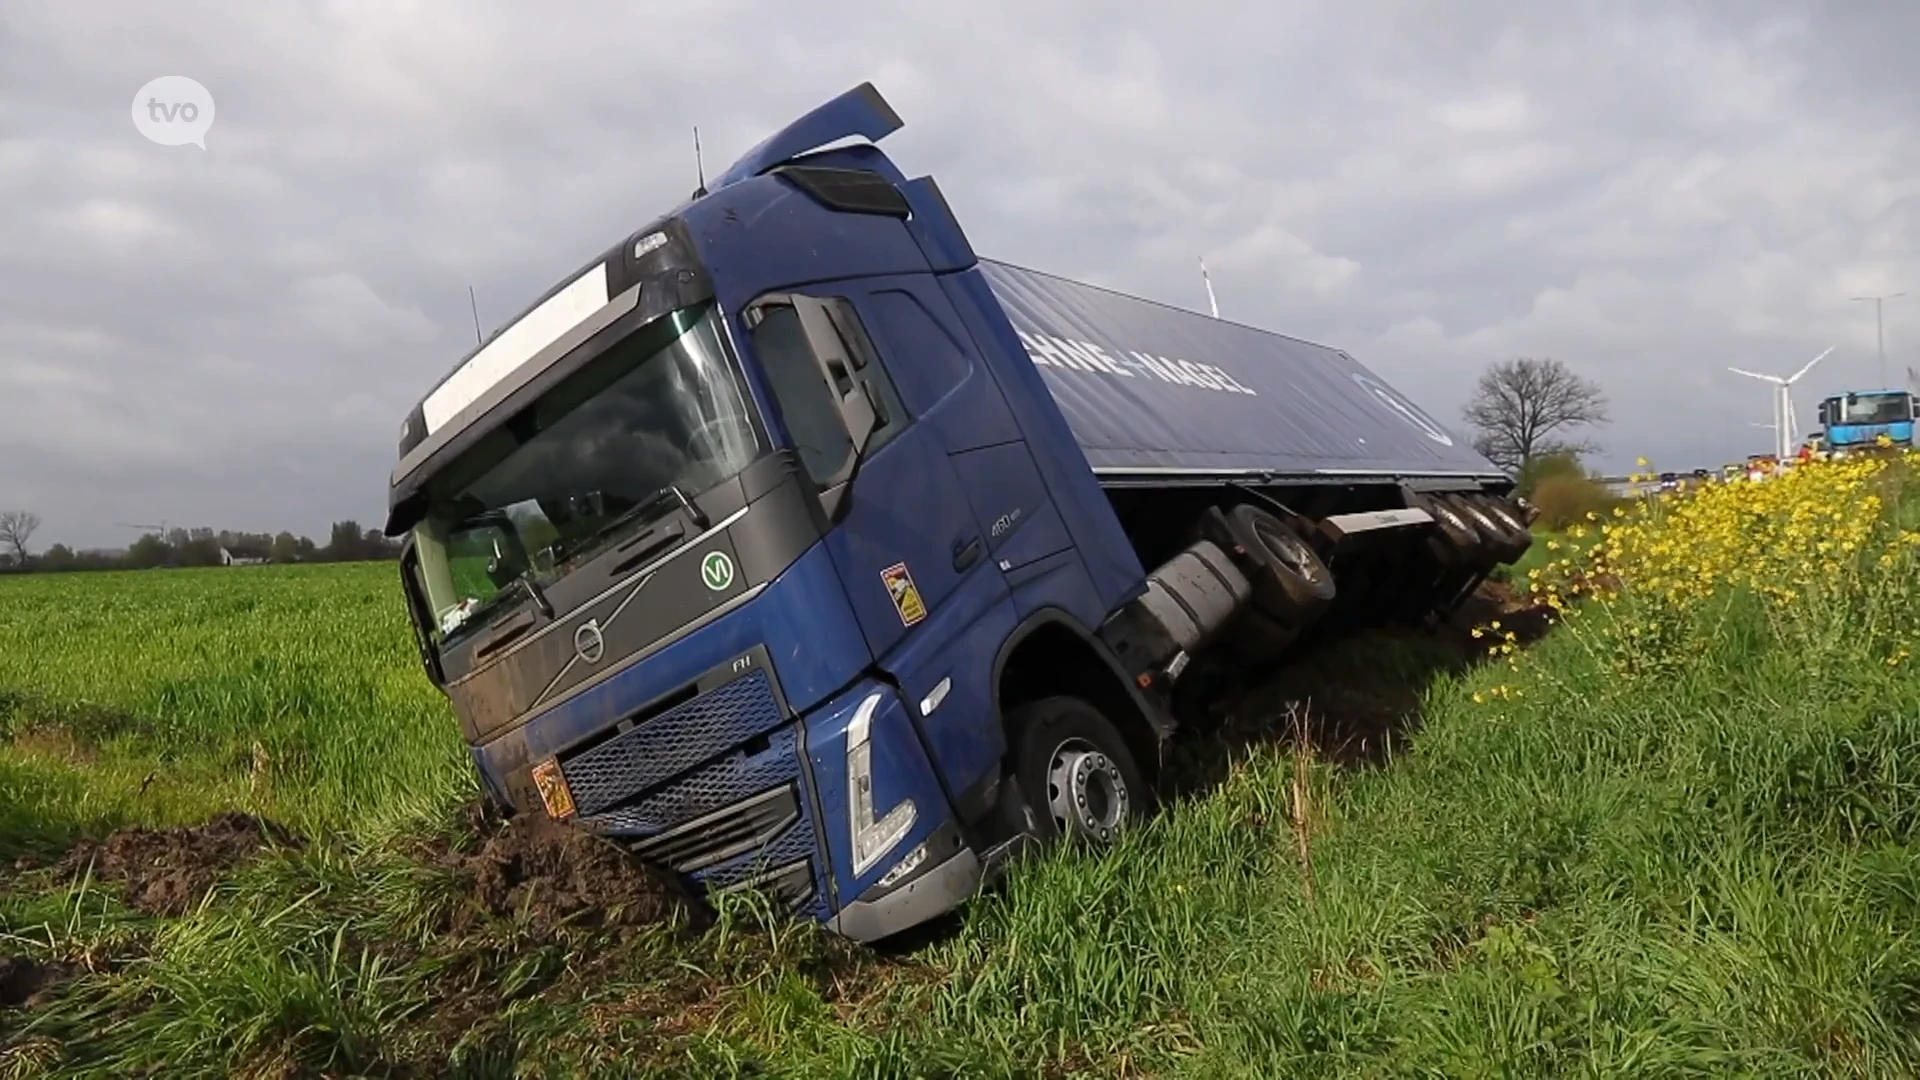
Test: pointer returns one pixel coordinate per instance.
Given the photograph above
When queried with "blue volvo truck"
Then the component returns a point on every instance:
(1856, 421)
(793, 546)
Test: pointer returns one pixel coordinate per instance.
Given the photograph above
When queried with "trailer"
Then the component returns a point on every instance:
(792, 546)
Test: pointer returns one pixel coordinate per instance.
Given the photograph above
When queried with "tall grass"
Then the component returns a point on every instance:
(1676, 838)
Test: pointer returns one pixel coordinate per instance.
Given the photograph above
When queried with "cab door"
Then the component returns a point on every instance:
(911, 552)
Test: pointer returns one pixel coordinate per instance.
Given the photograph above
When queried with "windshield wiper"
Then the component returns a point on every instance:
(534, 590)
(645, 509)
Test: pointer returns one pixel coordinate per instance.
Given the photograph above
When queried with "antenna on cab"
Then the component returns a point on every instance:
(699, 170)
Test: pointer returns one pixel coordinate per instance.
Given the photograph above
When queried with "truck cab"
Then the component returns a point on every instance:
(1862, 420)
(706, 565)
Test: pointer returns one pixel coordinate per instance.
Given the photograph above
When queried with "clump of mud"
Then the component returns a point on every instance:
(552, 874)
(168, 871)
(26, 982)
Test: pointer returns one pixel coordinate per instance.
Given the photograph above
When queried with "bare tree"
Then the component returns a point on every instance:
(1522, 408)
(16, 528)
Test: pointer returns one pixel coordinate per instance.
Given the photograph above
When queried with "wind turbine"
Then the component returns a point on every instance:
(1783, 419)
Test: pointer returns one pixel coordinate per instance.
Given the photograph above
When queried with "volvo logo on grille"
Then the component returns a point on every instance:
(588, 644)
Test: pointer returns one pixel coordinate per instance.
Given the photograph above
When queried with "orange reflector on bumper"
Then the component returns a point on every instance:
(553, 789)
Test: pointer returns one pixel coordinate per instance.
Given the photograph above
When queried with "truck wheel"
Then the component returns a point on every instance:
(1512, 519)
(1075, 771)
(1454, 542)
(1291, 584)
(1496, 545)
(1514, 535)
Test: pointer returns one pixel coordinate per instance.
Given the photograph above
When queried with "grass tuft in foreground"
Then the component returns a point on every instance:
(1676, 837)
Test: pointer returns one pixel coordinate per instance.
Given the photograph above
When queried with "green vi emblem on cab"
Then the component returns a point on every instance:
(716, 570)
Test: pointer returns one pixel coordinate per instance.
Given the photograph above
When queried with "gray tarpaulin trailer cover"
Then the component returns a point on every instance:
(1154, 391)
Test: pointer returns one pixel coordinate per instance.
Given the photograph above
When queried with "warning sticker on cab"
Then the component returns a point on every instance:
(906, 598)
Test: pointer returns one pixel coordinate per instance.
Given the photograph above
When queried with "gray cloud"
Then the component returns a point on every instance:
(232, 336)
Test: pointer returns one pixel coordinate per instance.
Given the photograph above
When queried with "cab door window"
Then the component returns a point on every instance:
(827, 381)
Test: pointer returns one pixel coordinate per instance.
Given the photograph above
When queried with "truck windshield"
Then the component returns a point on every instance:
(1873, 409)
(661, 410)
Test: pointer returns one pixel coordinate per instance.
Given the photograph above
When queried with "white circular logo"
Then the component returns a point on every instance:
(589, 643)
(1407, 410)
(173, 110)
(716, 570)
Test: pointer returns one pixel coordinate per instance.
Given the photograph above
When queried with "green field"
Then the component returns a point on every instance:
(1677, 836)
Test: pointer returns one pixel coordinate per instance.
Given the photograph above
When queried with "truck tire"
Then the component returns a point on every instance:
(1454, 542)
(1506, 518)
(1497, 546)
(1075, 771)
(1291, 585)
(1514, 536)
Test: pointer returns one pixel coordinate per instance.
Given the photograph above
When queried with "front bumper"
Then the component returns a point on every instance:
(722, 784)
(935, 892)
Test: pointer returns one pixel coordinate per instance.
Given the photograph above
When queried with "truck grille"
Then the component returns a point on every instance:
(711, 788)
(733, 830)
(667, 745)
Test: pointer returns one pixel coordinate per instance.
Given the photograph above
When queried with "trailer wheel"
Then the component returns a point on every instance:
(1291, 584)
(1497, 544)
(1455, 543)
(1502, 514)
(1514, 535)
(1075, 771)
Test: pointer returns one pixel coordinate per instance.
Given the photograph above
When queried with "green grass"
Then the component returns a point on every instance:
(1704, 868)
(163, 696)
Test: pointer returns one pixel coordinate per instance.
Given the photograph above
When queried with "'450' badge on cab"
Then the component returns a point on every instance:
(906, 598)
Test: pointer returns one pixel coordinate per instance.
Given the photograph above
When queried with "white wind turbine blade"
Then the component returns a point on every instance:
(1810, 364)
(1757, 375)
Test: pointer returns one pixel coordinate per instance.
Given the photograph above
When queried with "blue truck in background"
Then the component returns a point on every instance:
(1857, 420)
(791, 545)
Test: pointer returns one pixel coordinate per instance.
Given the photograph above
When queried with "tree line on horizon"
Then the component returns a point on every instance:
(188, 547)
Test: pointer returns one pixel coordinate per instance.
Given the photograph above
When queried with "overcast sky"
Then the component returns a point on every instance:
(231, 336)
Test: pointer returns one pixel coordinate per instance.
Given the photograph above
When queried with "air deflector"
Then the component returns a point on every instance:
(860, 111)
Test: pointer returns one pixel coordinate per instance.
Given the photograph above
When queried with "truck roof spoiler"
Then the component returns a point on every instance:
(860, 111)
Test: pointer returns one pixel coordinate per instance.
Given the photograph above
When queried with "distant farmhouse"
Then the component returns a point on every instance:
(242, 557)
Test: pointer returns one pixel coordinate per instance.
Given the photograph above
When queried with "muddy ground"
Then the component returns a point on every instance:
(169, 871)
(26, 982)
(549, 875)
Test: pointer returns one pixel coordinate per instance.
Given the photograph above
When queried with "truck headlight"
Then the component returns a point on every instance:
(871, 838)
